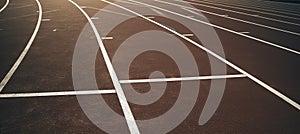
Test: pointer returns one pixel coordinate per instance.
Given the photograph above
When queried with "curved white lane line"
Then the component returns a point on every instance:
(60, 93)
(277, 93)
(232, 18)
(245, 9)
(222, 28)
(241, 13)
(6, 4)
(133, 128)
(24, 52)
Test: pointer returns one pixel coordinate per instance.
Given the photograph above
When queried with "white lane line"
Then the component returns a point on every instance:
(6, 4)
(61, 93)
(232, 18)
(24, 52)
(269, 88)
(242, 13)
(223, 28)
(183, 78)
(133, 128)
(246, 9)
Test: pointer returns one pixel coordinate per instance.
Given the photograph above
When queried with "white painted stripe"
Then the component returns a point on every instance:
(62, 93)
(245, 32)
(183, 78)
(232, 18)
(95, 18)
(107, 38)
(280, 95)
(133, 128)
(150, 17)
(6, 4)
(251, 10)
(188, 35)
(242, 13)
(46, 19)
(225, 29)
(26, 49)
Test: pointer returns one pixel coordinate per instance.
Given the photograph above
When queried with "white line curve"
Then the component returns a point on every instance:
(24, 52)
(6, 4)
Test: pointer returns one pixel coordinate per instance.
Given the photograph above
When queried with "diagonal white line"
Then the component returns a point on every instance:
(269, 88)
(6, 4)
(62, 93)
(26, 49)
(133, 128)
(183, 78)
